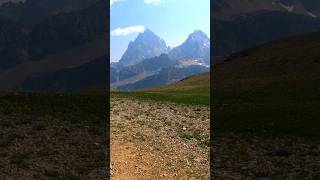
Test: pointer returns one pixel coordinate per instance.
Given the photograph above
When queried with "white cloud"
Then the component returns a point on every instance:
(113, 1)
(127, 30)
(152, 2)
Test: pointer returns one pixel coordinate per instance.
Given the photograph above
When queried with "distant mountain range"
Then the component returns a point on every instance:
(40, 38)
(148, 62)
(242, 24)
(230, 9)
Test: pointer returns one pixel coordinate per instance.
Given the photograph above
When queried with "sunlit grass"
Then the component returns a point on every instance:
(194, 90)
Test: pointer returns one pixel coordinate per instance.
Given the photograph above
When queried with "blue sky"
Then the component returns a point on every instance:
(172, 20)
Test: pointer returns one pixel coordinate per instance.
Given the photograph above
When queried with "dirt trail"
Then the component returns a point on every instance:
(152, 140)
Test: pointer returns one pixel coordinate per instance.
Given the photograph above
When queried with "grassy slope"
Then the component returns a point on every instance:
(67, 106)
(272, 89)
(193, 90)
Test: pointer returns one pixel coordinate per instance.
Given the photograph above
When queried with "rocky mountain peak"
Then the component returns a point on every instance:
(146, 45)
(196, 47)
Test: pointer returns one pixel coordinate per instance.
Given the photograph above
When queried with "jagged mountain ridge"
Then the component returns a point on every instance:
(229, 9)
(146, 45)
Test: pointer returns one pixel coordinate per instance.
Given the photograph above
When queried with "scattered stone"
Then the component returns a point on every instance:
(163, 142)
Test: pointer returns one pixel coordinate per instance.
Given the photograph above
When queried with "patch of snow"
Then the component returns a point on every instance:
(197, 61)
(311, 14)
(288, 8)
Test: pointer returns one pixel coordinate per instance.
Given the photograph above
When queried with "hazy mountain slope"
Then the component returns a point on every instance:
(165, 76)
(113, 74)
(152, 64)
(145, 66)
(13, 77)
(91, 74)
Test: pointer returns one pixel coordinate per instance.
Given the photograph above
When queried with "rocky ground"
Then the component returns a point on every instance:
(44, 148)
(255, 157)
(47, 137)
(153, 140)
